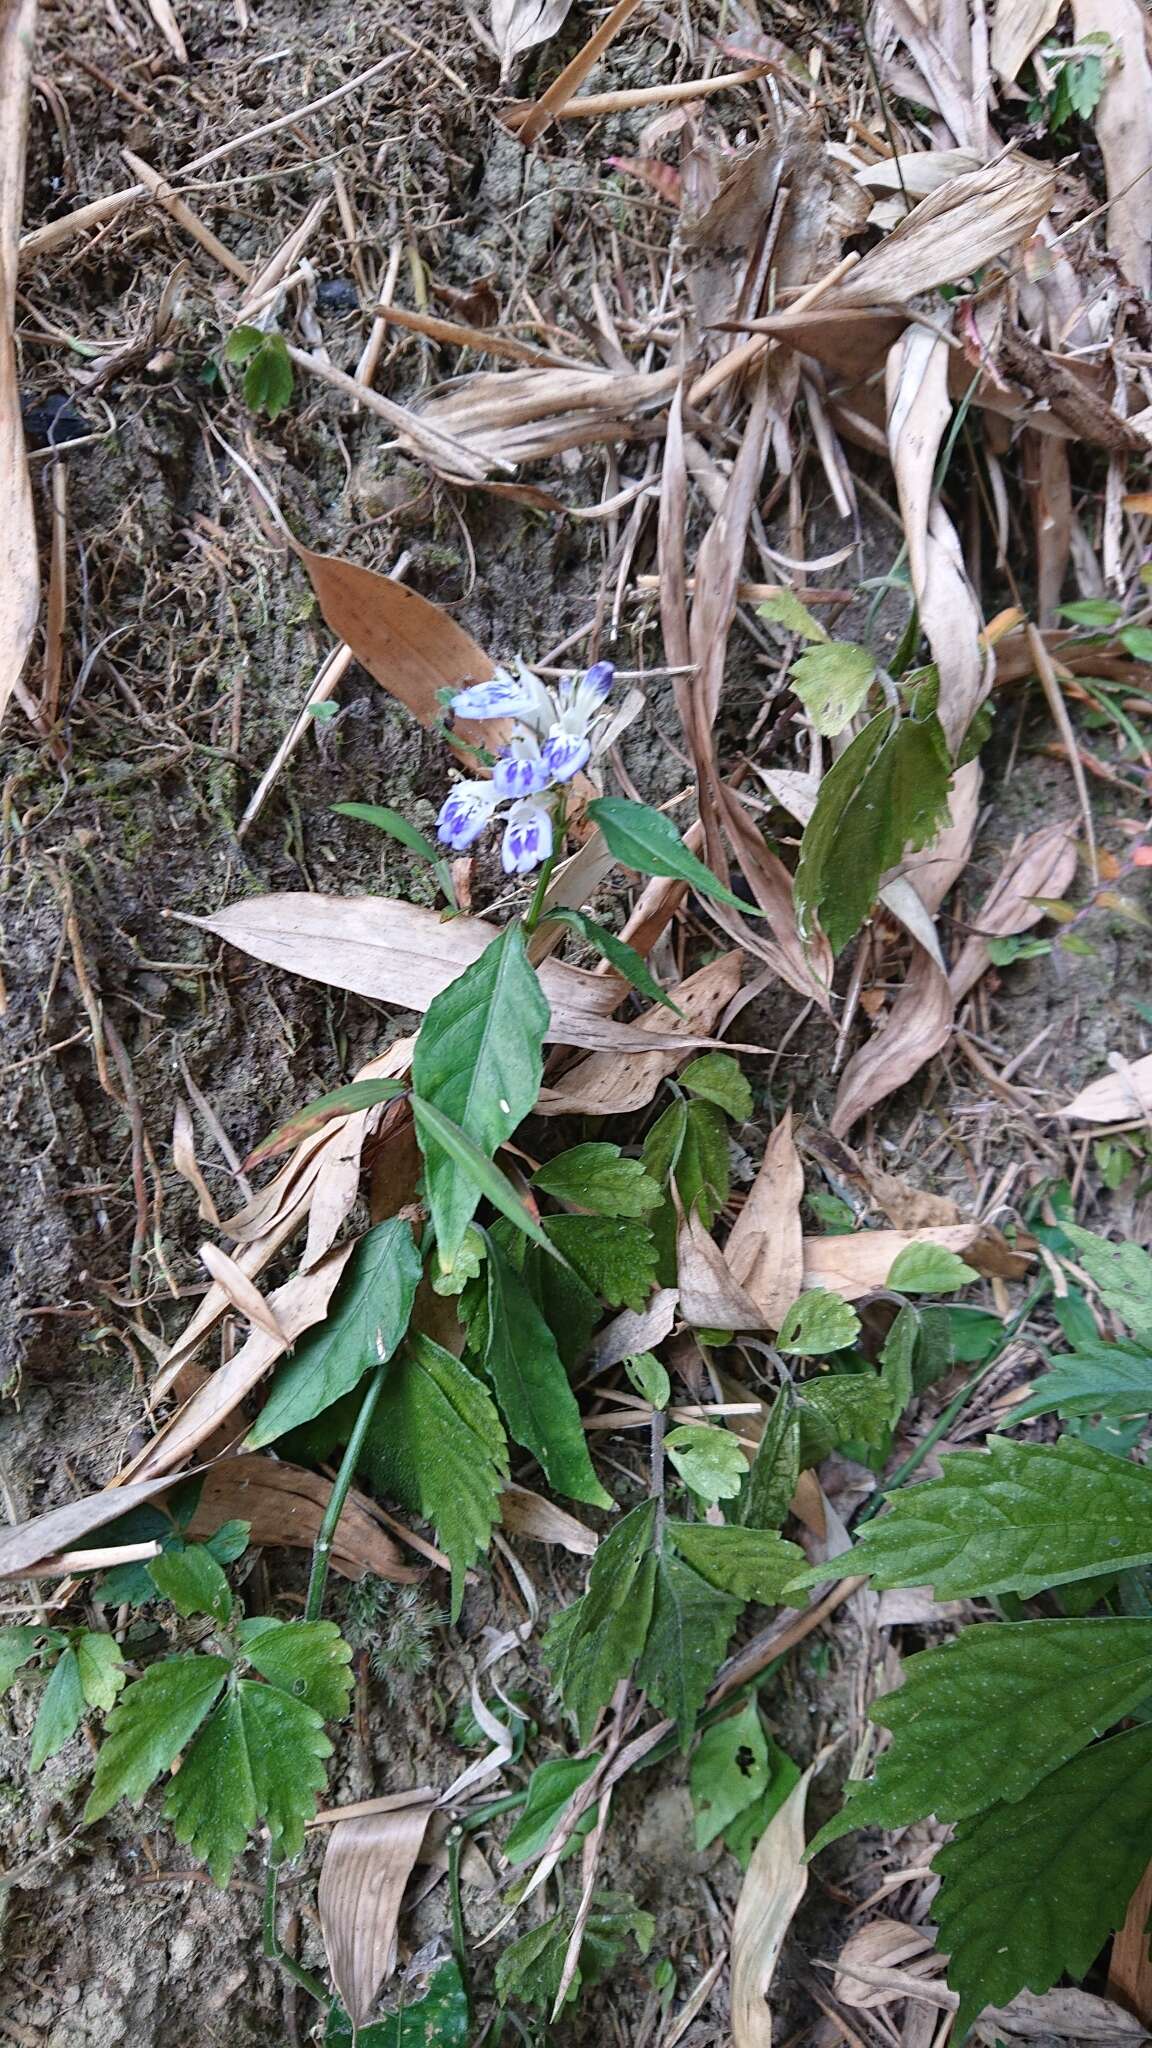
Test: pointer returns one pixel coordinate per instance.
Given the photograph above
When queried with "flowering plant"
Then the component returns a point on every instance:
(550, 743)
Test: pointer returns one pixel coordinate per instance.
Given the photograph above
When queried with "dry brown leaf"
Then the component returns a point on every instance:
(774, 1884)
(188, 1166)
(164, 15)
(19, 573)
(27, 1545)
(530, 122)
(1130, 1966)
(710, 1296)
(524, 1513)
(1115, 1098)
(285, 1505)
(1017, 27)
(1043, 865)
(936, 868)
(917, 1027)
(244, 1296)
(955, 231)
(519, 25)
(606, 1085)
(861, 1260)
(635, 1330)
(1066, 2014)
(883, 1944)
(367, 1864)
(906, 1207)
(1121, 122)
(765, 1248)
(527, 415)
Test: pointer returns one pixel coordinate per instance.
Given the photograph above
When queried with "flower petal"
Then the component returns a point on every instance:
(504, 696)
(465, 812)
(564, 753)
(527, 838)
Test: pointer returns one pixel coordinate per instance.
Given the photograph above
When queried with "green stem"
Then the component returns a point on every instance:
(272, 1948)
(322, 1550)
(536, 907)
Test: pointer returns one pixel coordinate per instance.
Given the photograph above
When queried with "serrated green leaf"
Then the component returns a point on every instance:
(482, 1174)
(689, 1144)
(18, 1645)
(818, 1322)
(243, 343)
(729, 1770)
(532, 1388)
(709, 1460)
(191, 1579)
(338, 1102)
(1122, 1273)
(775, 1468)
(928, 1269)
(1033, 1889)
(612, 1255)
(268, 377)
(530, 1969)
(478, 1061)
(308, 1659)
(896, 1362)
(1014, 1518)
(1111, 1379)
(550, 1789)
(596, 1641)
(100, 1662)
(258, 1757)
(887, 794)
(832, 683)
(992, 1713)
(785, 609)
(154, 1720)
(435, 1443)
(717, 1077)
(752, 1564)
(440, 2019)
(649, 1378)
(624, 958)
(687, 1637)
(364, 1325)
(62, 1708)
(648, 842)
(852, 1407)
(598, 1177)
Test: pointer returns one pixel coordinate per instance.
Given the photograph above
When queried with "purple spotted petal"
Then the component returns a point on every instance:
(504, 697)
(521, 770)
(527, 838)
(465, 813)
(564, 754)
(598, 680)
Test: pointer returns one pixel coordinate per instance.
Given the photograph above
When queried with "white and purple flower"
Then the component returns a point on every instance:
(551, 742)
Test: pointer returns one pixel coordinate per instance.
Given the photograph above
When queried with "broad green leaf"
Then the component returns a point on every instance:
(709, 1460)
(886, 794)
(624, 958)
(478, 1061)
(1092, 611)
(398, 827)
(896, 1361)
(365, 1323)
(1137, 640)
(775, 1468)
(550, 1789)
(18, 1645)
(832, 682)
(268, 375)
(258, 1757)
(785, 609)
(1033, 1889)
(242, 344)
(729, 1770)
(598, 1177)
(742, 1834)
(1111, 1379)
(649, 1378)
(717, 1077)
(1123, 1275)
(851, 1407)
(62, 1708)
(928, 1269)
(467, 1265)
(647, 841)
(753, 1564)
(818, 1322)
(308, 1659)
(595, 1642)
(689, 1143)
(482, 1174)
(154, 1720)
(100, 1662)
(436, 1444)
(1014, 1518)
(531, 1969)
(614, 1256)
(532, 1388)
(440, 2019)
(193, 1581)
(229, 1542)
(992, 1713)
(569, 1307)
(687, 1637)
(338, 1102)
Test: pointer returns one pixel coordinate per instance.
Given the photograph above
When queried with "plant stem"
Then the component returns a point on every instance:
(322, 1550)
(536, 907)
(272, 1948)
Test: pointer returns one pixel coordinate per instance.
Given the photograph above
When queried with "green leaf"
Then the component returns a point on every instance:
(818, 1322)
(229, 1542)
(100, 1662)
(785, 609)
(532, 1387)
(364, 1325)
(478, 1061)
(1092, 611)
(339, 1102)
(992, 1713)
(928, 1269)
(1016, 946)
(613, 1256)
(436, 1444)
(551, 1788)
(193, 1581)
(729, 1770)
(598, 1177)
(155, 1719)
(1033, 1889)
(258, 1757)
(1113, 1380)
(752, 1564)
(268, 375)
(482, 1174)
(649, 1378)
(852, 1407)
(530, 1969)
(440, 2019)
(1014, 1518)
(1122, 1273)
(717, 1077)
(18, 1645)
(624, 958)
(886, 794)
(398, 827)
(775, 1468)
(832, 683)
(896, 1362)
(595, 1642)
(467, 1265)
(648, 842)
(742, 1834)
(710, 1461)
(689, 1143)
(1137, 640)
(308, 1659)
(62, 1709)
(687, 1637)
(570, 1309)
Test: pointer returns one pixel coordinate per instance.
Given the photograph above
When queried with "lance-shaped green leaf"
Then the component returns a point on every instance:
(1121, 1272)
(818, 1322)
(551, 1788)
(896, 1361)
(89, 1672)
(992, 1713)
(598, 1177)
(1114, 1380)
(532, 1387)
(156, 1718)
(595, 1642)
(612, 1255)
(624, 958)
(478, 1061)
(258, 1757)
(886, 794)
(647, 841)
(190, 1577)
(1033, 1890)
(308, 1659)
(752, 1564)
(832, 682)
(775, 1468)
(338, 1102)
(367, 1319)
(482, 1174)
(400, 828)
(729, 1770)
(687, 1637)
(716, 1076)
(1014, 1518)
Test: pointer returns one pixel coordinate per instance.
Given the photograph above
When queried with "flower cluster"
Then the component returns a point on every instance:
(549, 744)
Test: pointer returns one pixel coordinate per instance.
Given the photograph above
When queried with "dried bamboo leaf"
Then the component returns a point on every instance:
(954, 232)
(519, 25)
(918, 1026)
(606, 1085)
(19, 573)
(245, 1297)
(1122, 122)
(367, 1864)
(1041, 866)
(188, 1166)
(884, 1944)
(524, 1513)
(858, 1262)
(1115, 1098)
(285, 1505)
(27, 1545)
(765, 1248)
(164, 15)
(530, 122)
(1017, 27)
(774, 1884)
(635, 1330)
(710, 1296)
(527, 415)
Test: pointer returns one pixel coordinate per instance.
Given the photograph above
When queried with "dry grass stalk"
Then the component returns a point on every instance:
(19, 572)
(445, 454)
(740, 359)
(177, 210)
(530, 124)
(622, 102)
(455, 334)
(1050, 682)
